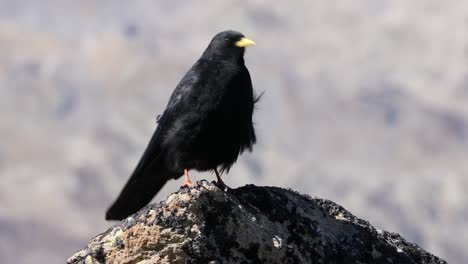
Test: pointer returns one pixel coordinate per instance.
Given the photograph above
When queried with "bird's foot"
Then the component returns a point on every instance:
(220, 182)
(186, 187)
(200, 182)
(187, 184)
(221, 185)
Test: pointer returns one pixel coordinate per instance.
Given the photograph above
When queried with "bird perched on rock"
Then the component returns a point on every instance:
(206, 125)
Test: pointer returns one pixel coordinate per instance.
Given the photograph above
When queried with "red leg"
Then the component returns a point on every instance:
(187, 182)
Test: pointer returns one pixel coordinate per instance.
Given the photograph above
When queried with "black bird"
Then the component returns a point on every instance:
(206, 125)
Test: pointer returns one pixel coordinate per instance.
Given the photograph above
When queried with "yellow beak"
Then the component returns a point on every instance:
(244, 42)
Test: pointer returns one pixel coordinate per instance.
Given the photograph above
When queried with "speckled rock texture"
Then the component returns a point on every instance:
(250, 224)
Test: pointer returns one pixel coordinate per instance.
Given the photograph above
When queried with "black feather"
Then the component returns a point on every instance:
(207, 124)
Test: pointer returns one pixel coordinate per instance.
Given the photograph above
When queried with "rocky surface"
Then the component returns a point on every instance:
(247, 225)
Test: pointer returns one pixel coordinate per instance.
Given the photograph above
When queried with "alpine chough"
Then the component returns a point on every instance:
(206, 125)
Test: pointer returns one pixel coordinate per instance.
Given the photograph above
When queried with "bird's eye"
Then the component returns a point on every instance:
(227, 40)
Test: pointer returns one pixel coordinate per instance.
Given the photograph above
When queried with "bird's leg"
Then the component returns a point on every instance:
(217, 175)
(188, 182)
(219, 182)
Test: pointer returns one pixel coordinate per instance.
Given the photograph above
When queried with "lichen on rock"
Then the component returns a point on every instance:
(247, 225)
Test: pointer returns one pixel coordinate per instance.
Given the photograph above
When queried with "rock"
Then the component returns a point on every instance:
(247, 225)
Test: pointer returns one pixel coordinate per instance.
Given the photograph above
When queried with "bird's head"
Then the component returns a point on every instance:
(228, 44)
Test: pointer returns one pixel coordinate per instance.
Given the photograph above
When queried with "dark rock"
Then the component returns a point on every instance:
(247, 225)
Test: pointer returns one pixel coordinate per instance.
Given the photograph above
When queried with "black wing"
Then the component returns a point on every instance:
(151, 174)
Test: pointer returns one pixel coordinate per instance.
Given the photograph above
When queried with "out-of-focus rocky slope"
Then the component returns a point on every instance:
(247, 225)
(366, 104)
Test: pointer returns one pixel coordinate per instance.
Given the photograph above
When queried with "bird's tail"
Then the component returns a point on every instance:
(143, 185)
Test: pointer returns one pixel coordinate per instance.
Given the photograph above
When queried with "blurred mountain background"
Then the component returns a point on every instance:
(366, 104)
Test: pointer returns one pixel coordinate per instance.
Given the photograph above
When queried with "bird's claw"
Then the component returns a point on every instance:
(200, 182)
(187, 185)
(220, 185)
